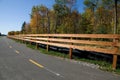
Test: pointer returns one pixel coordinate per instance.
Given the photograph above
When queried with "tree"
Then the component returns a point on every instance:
(48, 18)
(60, 12)
(63, 14)
(44, 12)
(17, 32)
(104, 14)
(28, 28)
(86, 24)
(104, 20)
(114, 3)
(75, 16)
(34, 23)
(23, 27)
(11, 33)
(115, 26)
(68, 3)
(92, 4)
(40, 19)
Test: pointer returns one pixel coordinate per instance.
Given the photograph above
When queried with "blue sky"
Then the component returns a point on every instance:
(14, 12)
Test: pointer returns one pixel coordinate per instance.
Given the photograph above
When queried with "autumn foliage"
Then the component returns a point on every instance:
(98, 18)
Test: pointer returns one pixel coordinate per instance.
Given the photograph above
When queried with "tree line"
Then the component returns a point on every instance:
(99, 17)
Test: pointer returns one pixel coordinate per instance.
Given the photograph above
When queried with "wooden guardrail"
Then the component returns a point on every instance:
(104, 43)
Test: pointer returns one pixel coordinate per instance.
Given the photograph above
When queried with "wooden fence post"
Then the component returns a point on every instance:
(37, 45)
(70, 53)
(114, 65)
(47, 46)
(22, 39)
(30, 41)
(114, 62)
(70, 50)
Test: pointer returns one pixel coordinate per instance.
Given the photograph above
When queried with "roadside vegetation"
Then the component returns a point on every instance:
(98, 17)
(0, 36)
(103, 64)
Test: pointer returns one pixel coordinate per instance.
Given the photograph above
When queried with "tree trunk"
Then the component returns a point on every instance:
(48, 30)
(115, 25)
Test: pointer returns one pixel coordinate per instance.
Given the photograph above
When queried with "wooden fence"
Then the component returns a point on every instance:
(103, 43)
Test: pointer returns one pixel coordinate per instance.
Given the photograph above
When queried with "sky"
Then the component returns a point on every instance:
(14, 12)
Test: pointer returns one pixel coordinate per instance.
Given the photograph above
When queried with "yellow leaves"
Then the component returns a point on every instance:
(33, 22)
(89, 13)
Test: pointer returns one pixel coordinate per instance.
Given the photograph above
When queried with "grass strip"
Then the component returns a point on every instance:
(103, 65)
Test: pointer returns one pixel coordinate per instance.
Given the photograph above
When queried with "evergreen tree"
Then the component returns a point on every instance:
(23, 27)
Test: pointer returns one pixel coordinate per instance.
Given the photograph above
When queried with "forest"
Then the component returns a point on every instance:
(99, 17)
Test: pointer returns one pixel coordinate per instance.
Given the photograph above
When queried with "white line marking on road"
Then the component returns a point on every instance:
(10, 46)
(57, 74)
(41, 66)
(17, 51)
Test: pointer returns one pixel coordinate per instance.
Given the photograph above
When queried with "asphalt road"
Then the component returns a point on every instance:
(17, 62)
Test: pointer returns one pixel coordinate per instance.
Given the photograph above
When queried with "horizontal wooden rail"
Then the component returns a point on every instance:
(76, 35)
(75, 41)
(103, 43)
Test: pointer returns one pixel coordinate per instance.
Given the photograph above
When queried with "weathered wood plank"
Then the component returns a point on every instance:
(78, 35)
(86, 48)
(102, 50)
(118, 44)
(101, 43)
(114, 62)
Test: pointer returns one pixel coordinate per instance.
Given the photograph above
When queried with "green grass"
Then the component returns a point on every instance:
(1, 37)
(44, 51)
(103, 65)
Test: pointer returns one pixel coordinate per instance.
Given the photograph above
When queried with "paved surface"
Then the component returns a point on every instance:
(17, 62)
